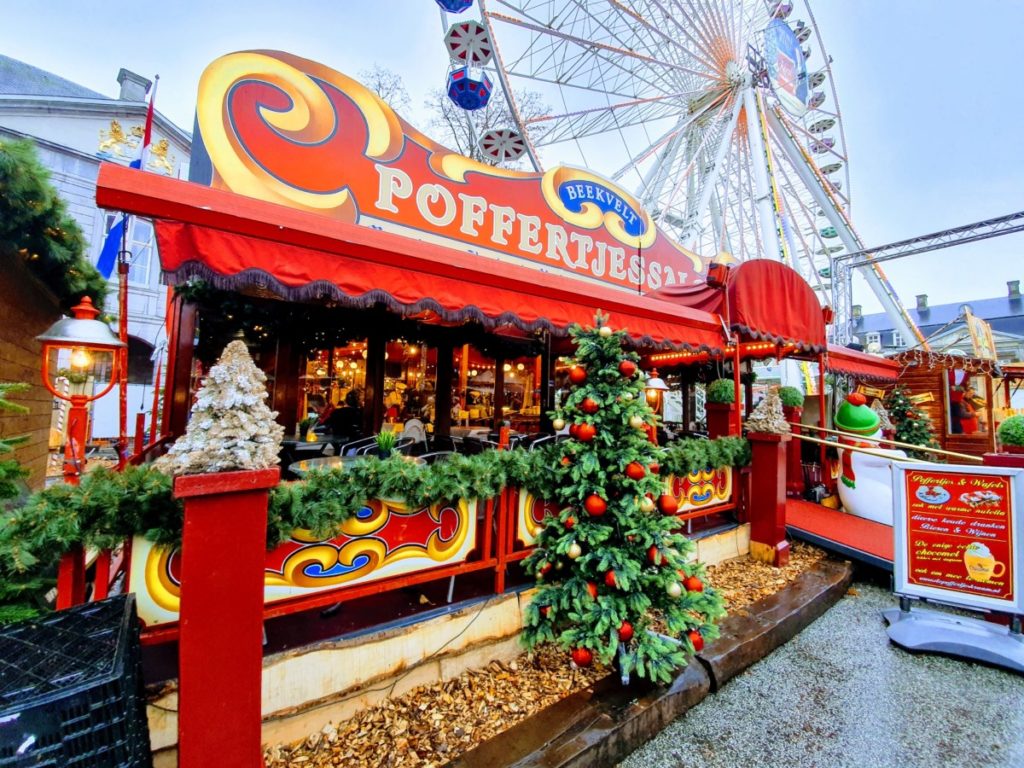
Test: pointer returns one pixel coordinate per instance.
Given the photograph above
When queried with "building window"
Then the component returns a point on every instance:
(897, 339)
(872, 338)
(141, 245)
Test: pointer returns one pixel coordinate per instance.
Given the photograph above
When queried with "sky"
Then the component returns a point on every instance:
(934, 122)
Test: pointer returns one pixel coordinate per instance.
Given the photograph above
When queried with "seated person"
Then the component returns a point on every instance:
(348, 420)
(324, 414)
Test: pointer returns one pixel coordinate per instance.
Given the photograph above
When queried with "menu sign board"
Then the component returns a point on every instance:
(956, 535)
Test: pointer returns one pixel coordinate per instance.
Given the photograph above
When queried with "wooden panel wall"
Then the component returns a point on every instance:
(28, 310)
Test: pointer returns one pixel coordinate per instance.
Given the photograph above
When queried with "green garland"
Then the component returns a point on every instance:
(36, 227)
(109, 507)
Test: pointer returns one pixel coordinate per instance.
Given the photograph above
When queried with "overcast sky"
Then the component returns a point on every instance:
(928, 91)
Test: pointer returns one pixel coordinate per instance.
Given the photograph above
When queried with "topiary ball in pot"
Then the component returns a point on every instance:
(1011, 434)
(791, 397)
(721, 391)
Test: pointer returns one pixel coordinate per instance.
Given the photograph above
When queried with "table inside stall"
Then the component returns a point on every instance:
(300, 468)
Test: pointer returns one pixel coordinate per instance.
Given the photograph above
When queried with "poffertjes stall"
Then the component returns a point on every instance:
(353, 254)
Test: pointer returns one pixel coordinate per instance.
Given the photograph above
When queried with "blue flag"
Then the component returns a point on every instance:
(111, 247)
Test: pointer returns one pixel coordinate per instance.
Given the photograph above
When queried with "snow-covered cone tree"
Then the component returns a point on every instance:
(885, 423)
(768, 415)
(231, 427)
(610, 566)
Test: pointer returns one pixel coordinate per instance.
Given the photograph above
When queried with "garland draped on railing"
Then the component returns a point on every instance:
(110, 507)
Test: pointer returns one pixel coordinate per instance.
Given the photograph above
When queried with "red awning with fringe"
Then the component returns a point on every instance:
(861, 365)
(767, 301)
(235, 242)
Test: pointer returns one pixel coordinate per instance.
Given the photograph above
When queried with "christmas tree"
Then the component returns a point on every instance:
(912, 424)
(615, 581)
(231, 427)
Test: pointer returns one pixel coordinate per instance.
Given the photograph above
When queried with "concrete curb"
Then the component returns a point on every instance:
(599, 726)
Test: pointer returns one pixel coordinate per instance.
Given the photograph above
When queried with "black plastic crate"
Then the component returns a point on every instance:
(71, 689)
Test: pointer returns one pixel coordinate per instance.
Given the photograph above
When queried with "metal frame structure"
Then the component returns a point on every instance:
(842, 266)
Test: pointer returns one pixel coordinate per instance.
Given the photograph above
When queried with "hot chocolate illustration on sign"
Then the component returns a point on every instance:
(981, 565)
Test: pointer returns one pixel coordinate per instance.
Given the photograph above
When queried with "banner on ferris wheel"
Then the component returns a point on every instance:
(280, 128)
(787, 69)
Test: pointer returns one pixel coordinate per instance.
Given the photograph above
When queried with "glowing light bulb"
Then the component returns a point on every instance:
(80, 358)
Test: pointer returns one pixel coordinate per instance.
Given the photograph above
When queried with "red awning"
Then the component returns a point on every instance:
(767, 301)
(236, 241)
(861, 365)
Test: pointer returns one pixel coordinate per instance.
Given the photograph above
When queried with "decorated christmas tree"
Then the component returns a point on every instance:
(912, 424)
(615, 582)
(231, 428)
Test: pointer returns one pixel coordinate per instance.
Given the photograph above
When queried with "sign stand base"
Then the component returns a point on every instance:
(936, 632)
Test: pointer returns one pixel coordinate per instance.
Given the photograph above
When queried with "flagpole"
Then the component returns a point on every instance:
(122, 297)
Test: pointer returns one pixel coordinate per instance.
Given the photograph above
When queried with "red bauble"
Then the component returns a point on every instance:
(595, 505)
(570, 522)
(589, 405)
(586, 432)
(697, 639)
(655, 469)
(655, 556)
(627, 368)
(693, 584)
(577, 375)
(592, 589)
(625, 632)
(566, 461)
(609, 579)
(545, 568)
(582, 657)
(545, 610)
(635, 470)
(573, 429)
(668, 504)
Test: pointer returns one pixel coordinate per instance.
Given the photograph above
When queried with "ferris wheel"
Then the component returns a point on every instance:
(721, 116)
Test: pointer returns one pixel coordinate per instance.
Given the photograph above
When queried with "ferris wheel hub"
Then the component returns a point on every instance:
(736, 74)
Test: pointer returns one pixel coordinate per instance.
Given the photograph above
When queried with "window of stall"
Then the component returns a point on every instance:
(473, 378)
(410, 383)
(521, 404)
(967, 403)
(337, 374)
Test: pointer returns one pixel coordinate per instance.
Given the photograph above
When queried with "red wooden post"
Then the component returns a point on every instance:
(220, 651)
(768, 500)
(721, 419)
(794, 465)
(71, 578)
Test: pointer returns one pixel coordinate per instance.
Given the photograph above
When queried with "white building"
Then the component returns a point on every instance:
(75, 129)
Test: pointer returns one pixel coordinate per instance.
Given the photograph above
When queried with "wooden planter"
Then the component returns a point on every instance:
(721, 419)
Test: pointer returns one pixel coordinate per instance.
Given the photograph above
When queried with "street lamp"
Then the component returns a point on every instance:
(91, 352)
(654, 391)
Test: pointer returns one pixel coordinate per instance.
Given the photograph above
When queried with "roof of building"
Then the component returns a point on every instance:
(1002, 312)
(20, 79)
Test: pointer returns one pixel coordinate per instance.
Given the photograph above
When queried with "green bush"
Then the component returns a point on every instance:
(1011, 431)
(791, 397)
(721, 391)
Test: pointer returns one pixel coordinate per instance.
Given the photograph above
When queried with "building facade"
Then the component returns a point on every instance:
(945, 327)
(75, 129)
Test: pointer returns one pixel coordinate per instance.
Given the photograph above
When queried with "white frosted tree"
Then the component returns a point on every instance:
(768, 415)
(231, 428)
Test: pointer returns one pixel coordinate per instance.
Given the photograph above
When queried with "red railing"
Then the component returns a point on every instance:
(505, 528)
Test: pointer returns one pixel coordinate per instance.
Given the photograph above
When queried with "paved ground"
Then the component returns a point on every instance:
(839, 695)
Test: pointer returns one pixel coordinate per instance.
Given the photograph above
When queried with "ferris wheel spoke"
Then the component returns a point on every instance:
(684, 175)
(595, 46)
(715, 28)
(704, 45)
(661, 34)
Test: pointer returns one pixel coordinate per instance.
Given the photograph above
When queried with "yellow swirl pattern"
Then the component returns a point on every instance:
(311, 119)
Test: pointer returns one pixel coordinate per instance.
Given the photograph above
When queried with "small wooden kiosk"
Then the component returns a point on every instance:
(960, 394)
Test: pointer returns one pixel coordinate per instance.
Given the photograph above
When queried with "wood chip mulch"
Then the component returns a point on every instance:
(433, 724)
(743, 581)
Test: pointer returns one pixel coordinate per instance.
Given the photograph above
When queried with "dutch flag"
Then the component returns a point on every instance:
(112, 245)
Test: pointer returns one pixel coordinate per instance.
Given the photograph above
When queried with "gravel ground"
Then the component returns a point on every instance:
(839, 695)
